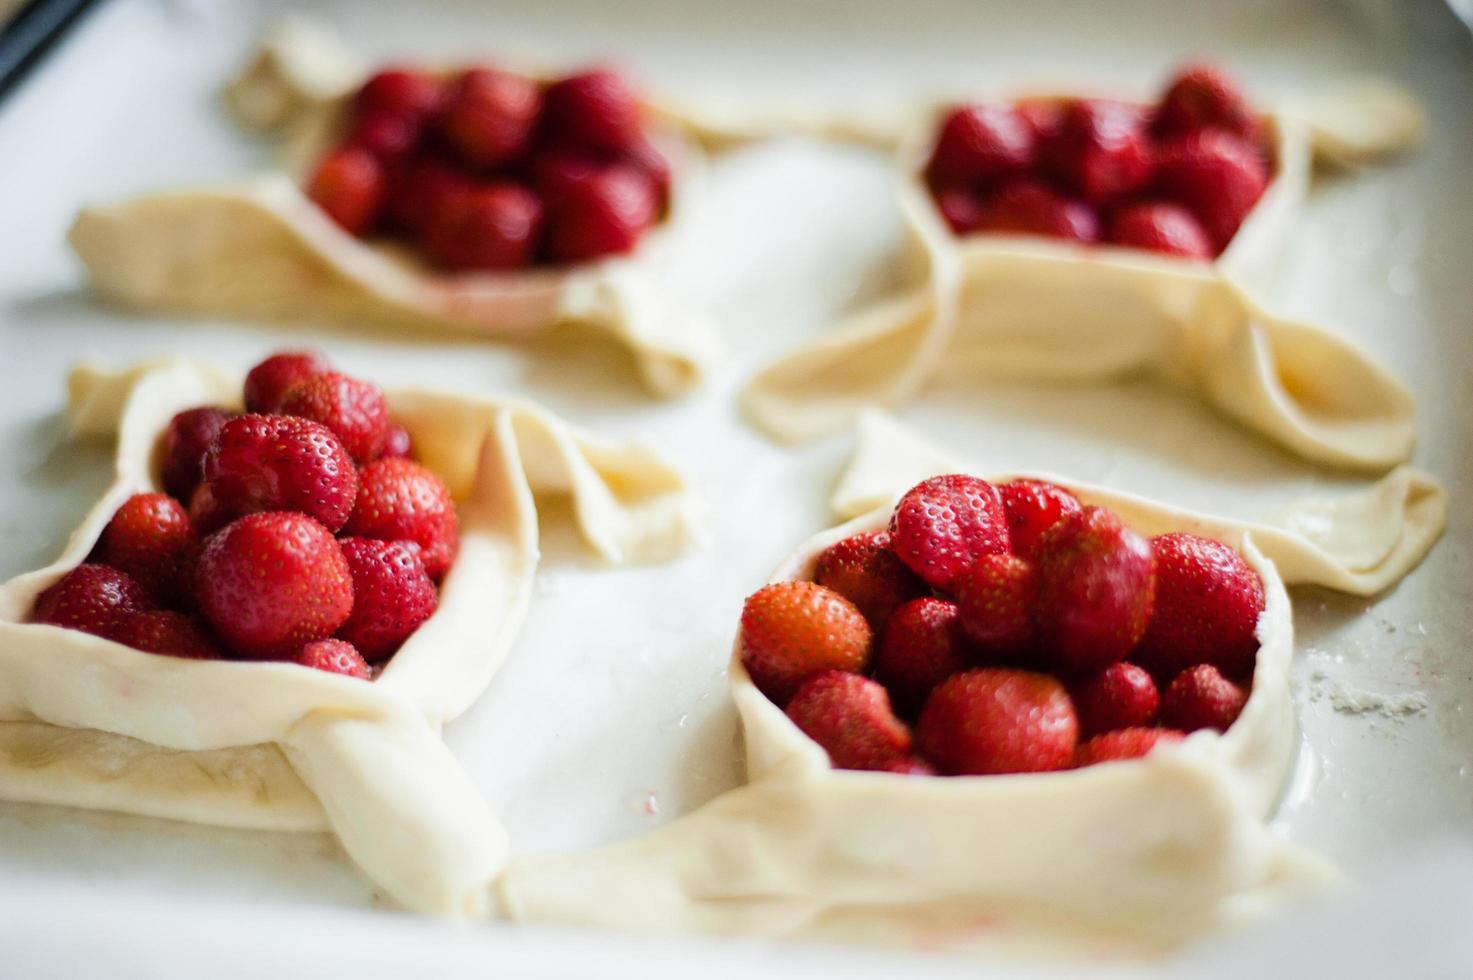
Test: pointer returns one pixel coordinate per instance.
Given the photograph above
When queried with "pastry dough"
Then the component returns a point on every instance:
(88, 722)
(259, 247)
(1146, 852)
(1010, 307)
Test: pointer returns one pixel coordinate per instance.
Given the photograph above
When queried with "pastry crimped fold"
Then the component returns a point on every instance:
(997, 307)
(1146, 852)
(88, 722)
(258, 247)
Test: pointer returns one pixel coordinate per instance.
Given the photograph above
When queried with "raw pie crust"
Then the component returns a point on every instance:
(1150, 852)
(91, 723)
(259, 247)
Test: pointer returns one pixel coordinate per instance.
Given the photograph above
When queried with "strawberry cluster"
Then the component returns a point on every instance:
(491, 170)
(299, 530)
(1016, 629)
(1177, 177)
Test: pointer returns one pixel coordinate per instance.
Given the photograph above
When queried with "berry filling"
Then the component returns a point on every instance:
(489, 170)
(1177, 178)
(1005, 629)
(302, 531)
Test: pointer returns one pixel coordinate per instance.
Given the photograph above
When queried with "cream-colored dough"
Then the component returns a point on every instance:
(1135, 855)
(91, 723)
(1007, 307)
(259, 247)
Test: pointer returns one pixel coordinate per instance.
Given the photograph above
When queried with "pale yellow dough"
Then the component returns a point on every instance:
(1006, 307)
(259, 247)
(91, 723)
(1136, 855)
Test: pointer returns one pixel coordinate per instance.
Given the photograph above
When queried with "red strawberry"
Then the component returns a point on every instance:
(389, 136)
(489, 116)
(351, 186)
(1120, 696)
(995, 598)
(864, 570)
(603, 213)
(267, 384)
(1125, 743)
(151, 538)
(963, 209)
(400, 500)
(206, 515)
(793, 630)
(186, 441)
(1028, 207)
(553, 172)
(271, 582)
(169, 633)
(1042, 116)
(849, 716)
(1201, 697)
(1096, 589)
(594, 111)
(333, 656)
(1201, 97)
(355, 411)
(998, 721)
(397, 442)
(1208, 600)
(910, 765)
(1160, 226)
(920, 648)
(979, 144)
(1101, 151)
(402, 91)
(279, 462)
(92, 598)
(1033, 507)
(491, 227)
(422, 187)
(945, 523)
(1218, 176)
(392, 595)
(648, 160)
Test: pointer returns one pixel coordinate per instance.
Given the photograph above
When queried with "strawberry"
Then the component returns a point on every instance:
(1202, 97)
(648, 160)
(1124, 743)
(185, 443)
(864, 570)
(1029, 207)
(168, 633)
(980, 144)
(1101, 151)
(793, 630)
(92, 598)
(423, 186)
(1033, 507)
(400, 500)
(398, 442)
(1208, 601)
(1160, 226)
(849, 716)
(392, 595)
(995, 598)
(553, 172)
(920, 648)
(1218, 176)
(150, 537)
(268, 383)
(910, 765)
(945, 523)
(1200, 697)
(490, 227)
(962, 208)
(1096, 589)
(205, 513)
(998, 720)
(389, 136)
(602, 213)
(489, 116)
(354, 411)
(351, 186)
(279, 462)
(400, 91)
(594, 112)
(1042, 116)
(333, 656)
(271, 582)
(1120, 696)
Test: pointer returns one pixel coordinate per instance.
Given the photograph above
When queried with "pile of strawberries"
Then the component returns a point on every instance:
(1018, 630)
(1177, 177)
(301, 530)
(492, 170)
